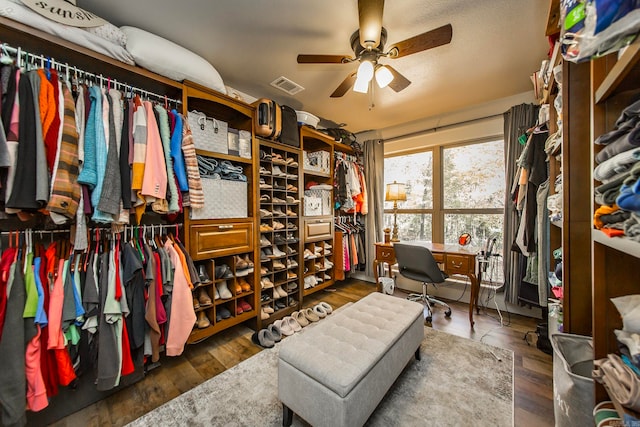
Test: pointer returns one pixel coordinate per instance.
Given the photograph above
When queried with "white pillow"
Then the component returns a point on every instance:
(168, 59)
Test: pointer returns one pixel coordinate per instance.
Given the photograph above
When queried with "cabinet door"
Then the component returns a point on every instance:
(318, 229)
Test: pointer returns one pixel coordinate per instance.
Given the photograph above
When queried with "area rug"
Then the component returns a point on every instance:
(457, 382)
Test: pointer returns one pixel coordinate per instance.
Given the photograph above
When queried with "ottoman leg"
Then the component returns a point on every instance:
(287, 416)
(418, 353)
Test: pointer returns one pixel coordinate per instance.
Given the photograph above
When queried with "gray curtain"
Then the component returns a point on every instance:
(516, 122)
(374, 173)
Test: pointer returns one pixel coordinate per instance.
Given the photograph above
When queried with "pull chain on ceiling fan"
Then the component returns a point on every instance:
(368, 47)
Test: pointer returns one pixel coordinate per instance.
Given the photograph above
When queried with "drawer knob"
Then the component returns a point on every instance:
(456, 265)
(386, 255)
(225, 227)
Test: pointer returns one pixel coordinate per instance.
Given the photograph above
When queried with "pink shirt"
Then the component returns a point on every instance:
(182, 316)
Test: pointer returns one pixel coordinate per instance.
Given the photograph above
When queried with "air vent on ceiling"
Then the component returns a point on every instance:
(287, 85)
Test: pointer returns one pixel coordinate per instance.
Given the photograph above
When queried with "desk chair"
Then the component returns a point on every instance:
(417, 263)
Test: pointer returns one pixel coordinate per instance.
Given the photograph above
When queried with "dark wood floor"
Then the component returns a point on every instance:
(533, 400)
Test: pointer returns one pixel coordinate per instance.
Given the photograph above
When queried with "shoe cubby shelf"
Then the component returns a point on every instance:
(225, 296)
(279, 208)
(318, 266)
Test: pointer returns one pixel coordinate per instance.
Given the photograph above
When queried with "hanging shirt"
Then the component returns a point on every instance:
(183, 316)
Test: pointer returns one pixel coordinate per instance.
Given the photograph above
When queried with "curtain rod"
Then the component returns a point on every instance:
(435, 129)
(52, 63)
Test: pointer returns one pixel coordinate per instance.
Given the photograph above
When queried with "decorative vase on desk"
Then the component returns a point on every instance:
(387, 235)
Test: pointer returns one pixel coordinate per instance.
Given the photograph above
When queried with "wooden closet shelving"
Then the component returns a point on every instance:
(216, 242)
(616, 261)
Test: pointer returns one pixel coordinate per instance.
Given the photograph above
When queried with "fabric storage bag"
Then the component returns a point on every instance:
(290, 134)
(573, 395)
(222, 199)
(209, 134)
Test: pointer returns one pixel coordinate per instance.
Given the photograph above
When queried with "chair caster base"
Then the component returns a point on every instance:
(427, 320)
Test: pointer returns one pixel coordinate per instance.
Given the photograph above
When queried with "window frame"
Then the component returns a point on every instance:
(438, 211)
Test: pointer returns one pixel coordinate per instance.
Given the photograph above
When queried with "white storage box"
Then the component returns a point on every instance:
(208, 133)
(317, 203)
(305, 118)
(245, 144)
(317, 161)
(222, 199)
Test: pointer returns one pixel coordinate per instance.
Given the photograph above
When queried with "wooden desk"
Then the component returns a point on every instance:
(456, 260)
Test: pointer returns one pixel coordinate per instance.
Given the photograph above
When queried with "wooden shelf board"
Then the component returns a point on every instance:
(620, 70)
(621, 244)
(314, 173)
(223, 156)
(319, 287)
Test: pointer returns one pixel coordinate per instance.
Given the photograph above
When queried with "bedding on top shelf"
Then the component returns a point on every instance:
(18, 12)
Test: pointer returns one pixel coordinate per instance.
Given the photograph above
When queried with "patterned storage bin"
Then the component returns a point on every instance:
(318, 161)
(222, 199)
(317, 203)
(208, 133)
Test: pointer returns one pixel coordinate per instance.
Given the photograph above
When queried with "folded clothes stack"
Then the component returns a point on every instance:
(224, 169)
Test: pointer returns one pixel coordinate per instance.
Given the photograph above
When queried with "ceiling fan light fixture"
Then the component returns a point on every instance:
(365, 71)
(361, 85)
(383, 76)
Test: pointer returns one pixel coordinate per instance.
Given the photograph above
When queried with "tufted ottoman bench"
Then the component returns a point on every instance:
(337, 372)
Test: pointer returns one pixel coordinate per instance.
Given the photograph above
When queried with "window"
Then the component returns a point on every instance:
(451, 190)
(414, 214)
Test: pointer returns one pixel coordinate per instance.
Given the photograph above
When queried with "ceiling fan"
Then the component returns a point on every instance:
(368, 47)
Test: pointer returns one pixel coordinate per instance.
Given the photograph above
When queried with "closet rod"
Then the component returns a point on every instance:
(93, 229)
(19, 52)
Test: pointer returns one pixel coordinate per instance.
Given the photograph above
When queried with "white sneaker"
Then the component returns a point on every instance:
(275, 171)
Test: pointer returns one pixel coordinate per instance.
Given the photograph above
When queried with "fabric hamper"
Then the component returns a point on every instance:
(222, 199)
(209, 134)
(573, 395)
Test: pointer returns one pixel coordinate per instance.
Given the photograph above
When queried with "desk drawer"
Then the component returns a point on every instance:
(385, 254)
(439, 258)
(457, 264)
(214, 240)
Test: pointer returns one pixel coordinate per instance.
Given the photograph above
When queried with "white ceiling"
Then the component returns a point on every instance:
(496, 45)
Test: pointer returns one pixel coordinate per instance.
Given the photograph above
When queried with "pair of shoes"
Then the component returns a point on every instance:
(277, 265)
(265, 213)
(276, 171)
(278, 292)
(266, 283)
(234, 287)
(267, 309)
(265, 227)
(263, 271)
(280, 305)
(223, 272)
(279, 240)
(203, 321)
(204, 299)
(263, 338)
(222, 312)
(292, 188)
(308, 254)
(300, 318)
(277, 225)
(244, 285)
(196, 303)
(264, 241)
(265, 197)
(292, 200)
(292, 302)
(223, 290)
(278, 212)
(202, 275)
(291, 162)
(288, 325)
(264, 171)
(291, 238)
(310, 282)
(322, 309)
(277, 252)
(244, 305)
(310, 315)
(291, 275)
(264, 315)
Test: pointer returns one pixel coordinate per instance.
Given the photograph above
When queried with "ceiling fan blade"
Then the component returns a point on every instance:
(344, 86)
(323, 59)
(424, 41)
(399, 81)
(370, 13)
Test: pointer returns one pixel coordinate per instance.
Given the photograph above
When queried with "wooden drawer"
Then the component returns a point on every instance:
(385, 254)
(457, 264)
(439, 258)
(318, 229)
(215, 240)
